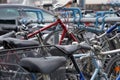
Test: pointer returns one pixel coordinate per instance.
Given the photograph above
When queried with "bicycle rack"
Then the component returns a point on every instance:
(102, 13)
(38, 13)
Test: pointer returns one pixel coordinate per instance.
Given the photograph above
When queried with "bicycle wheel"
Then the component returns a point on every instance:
(113, 67)
(54, 38)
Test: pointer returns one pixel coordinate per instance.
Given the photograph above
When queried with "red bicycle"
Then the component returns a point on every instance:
(62, 34)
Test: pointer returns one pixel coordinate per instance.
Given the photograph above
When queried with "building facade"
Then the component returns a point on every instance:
(3, 1)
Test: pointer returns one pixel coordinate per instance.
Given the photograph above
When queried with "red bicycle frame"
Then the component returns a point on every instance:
(64, 31)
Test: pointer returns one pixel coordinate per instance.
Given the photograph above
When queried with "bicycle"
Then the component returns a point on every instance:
(113, 67)
(31, 68)
(69, 50)
(57, 22)
(95, 58)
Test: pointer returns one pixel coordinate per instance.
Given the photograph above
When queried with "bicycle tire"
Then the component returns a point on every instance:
(51, 37)
(67, 40)
(113, 64)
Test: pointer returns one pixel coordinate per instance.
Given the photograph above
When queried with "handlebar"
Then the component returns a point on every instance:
(110, 52)
(113, 27)
(109, 30)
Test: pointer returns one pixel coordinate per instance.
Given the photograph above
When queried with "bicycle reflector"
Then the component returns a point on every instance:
(117, 69)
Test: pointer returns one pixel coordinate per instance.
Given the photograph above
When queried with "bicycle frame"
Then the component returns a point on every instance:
(96, 64)
(64, 31)
(118, 78)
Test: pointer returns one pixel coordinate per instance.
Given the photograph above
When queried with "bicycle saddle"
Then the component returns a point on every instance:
(68, 49)
(13, 42)
(10, 34)
(44, 65)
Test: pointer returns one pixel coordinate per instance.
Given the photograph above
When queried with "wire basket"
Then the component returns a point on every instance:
(9, 71)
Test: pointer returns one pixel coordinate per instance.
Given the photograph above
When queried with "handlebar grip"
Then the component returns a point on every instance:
(112, 28)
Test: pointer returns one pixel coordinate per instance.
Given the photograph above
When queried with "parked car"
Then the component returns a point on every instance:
(9, 13)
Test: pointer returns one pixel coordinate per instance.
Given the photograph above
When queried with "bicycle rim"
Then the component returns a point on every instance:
(113, 67)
